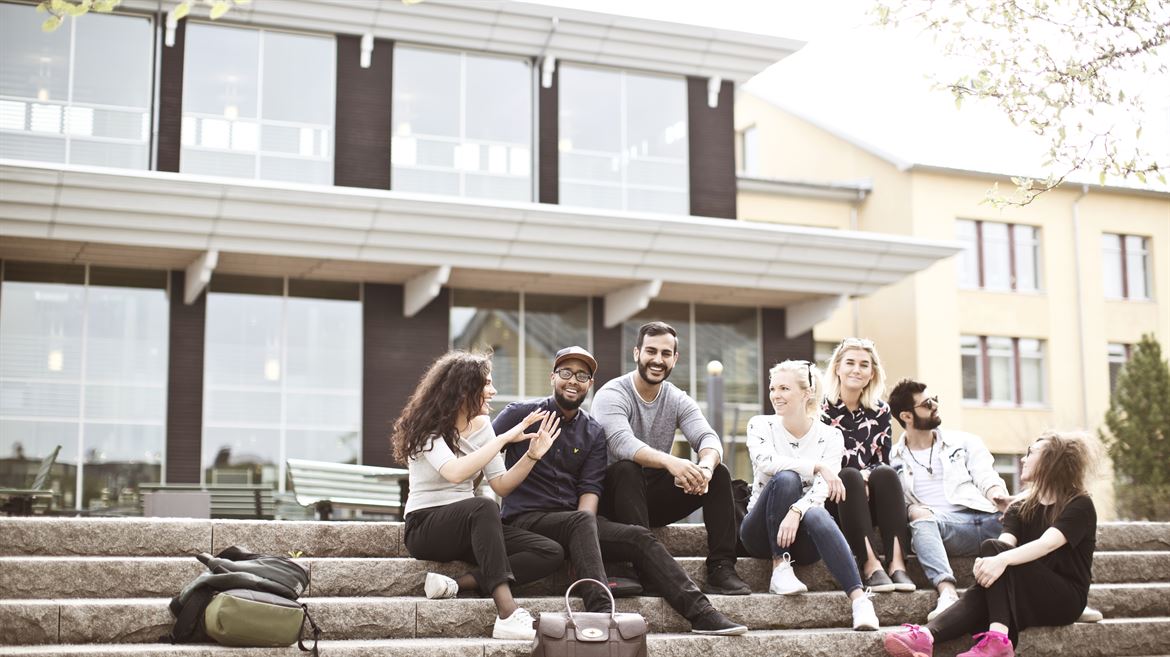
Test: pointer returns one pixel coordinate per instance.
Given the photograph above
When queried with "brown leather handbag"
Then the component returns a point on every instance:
(588, 633)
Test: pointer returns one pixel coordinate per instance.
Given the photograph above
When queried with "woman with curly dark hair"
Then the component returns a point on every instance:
(1038, 571)
(445, 436)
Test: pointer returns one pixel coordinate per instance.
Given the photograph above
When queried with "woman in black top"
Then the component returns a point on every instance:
(873, 492)
(1037, 572)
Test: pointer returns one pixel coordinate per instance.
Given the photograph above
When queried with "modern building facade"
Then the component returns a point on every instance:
(1021, 333)
(228, 244)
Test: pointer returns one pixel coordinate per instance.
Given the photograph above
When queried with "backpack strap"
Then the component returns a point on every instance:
(316, 633)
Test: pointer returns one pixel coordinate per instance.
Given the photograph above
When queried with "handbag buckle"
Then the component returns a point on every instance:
(592, 633)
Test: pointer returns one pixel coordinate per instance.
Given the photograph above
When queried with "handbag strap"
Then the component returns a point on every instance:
(612, 604)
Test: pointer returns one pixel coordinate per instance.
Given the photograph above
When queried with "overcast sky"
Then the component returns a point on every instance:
(871, 84)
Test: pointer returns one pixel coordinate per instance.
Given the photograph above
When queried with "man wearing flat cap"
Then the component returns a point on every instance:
(559, 500)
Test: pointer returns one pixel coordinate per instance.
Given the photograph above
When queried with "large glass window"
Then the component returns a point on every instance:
(80, 95)
(83, 365)
(1126, 265)
(1003, 371)
(282, 377)
(462, 124)
(500, 322)
(258, 104)
(623, 140)
(730, 335)
(998, 256)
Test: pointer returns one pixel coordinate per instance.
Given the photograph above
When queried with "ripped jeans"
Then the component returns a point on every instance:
(955, 534)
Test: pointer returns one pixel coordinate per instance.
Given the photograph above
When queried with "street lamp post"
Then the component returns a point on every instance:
(715, 406)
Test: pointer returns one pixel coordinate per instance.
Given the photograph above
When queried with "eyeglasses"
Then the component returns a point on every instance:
(566, 374)
(928, 403)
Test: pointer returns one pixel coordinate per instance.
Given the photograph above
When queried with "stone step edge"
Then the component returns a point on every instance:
(1112, 586)
(494, 647)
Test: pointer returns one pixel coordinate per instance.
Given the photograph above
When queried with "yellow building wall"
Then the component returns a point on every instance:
(917, 322)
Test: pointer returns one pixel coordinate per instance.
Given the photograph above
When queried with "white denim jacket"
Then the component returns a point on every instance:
(968, 470)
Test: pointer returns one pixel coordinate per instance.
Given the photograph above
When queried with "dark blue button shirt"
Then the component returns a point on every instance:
(573, 466)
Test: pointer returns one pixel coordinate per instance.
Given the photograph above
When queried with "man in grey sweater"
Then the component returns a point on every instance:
(645, 484)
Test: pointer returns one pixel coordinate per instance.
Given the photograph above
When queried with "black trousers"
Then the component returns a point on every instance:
(470, 530)
(647, 497)
(884, 507)
(590, 540)
(1024, 596)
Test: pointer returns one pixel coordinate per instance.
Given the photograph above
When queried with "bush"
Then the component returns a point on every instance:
(1138, 436)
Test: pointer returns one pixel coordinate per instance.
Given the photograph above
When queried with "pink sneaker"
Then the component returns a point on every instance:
(991, 644)
(912, 641)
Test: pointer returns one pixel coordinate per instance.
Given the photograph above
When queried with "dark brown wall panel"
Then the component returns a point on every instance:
(361, 155)
(712, 143)
(607, 346)
(185, 385)
(170, 100)
(776, 347)
(548, 114)
(396, 353)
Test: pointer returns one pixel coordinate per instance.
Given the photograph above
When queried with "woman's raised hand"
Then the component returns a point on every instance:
(545, 436)
(516, 433)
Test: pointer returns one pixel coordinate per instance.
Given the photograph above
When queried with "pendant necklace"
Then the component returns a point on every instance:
(929, 459)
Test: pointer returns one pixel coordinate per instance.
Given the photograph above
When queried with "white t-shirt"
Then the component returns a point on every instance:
(428, 488)
(928, 486)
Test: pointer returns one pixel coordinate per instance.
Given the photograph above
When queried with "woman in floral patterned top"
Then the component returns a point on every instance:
(855, 383)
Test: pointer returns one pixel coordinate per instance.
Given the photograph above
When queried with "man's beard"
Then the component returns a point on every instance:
(927, 423)
(568, 404)
(644, 372)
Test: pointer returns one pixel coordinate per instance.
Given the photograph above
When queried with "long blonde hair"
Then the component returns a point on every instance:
(1060, 474)
(808, 377)
(873, 390)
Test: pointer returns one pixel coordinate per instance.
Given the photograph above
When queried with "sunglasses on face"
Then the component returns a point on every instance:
(864, 343)
(929, 403)
(566, 374)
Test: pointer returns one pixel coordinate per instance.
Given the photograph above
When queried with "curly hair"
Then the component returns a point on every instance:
(452, 385)
(1059, 474)
(872, 393)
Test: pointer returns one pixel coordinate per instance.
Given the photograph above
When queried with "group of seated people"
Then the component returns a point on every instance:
(589, 486)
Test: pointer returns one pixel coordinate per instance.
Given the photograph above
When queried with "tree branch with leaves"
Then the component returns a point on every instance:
(59, 10)
(1078, 73)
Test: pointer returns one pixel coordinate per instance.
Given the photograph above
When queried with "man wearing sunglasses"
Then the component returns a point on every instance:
(559, 500)
(954, 494)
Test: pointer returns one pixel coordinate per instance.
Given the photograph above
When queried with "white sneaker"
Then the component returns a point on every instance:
(1090, 615)
(864, 617)
(945, 600)
(784, 581)
(517, 626)
(440, 587)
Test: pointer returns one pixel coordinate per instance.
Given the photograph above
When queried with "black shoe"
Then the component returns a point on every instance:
(879, 582)
(902, 581)
(713, 622)
(723, 580)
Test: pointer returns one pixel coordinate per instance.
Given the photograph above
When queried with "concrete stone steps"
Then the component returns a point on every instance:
(144, 620)
(39, 577)
(42, 536)
(1110, 638)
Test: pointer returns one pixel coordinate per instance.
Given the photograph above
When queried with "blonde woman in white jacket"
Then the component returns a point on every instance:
(795, 460)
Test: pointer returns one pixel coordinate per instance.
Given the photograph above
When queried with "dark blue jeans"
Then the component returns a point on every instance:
(818, 537)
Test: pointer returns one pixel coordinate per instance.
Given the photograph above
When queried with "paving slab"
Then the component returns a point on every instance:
(49, 536)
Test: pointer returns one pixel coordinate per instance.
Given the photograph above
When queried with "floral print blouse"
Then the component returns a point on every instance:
(866, 432)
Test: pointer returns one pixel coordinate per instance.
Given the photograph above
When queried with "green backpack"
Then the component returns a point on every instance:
(245, 599)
